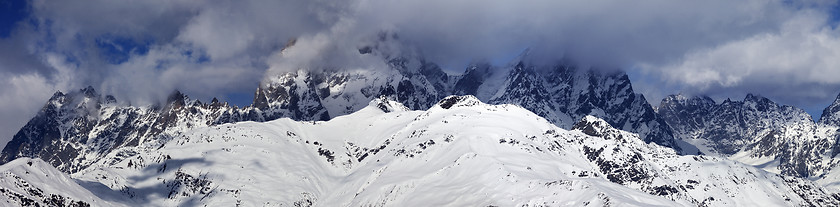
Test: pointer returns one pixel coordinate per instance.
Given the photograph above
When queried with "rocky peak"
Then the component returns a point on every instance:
(701, 101)
(519, 66)
(57, 95)
(760, 103)
(215, 104)
(388, 105)
(682, 111)
(176, 99)
(473, 77)
(84, 99)
(109, 99)
(682, 100)
(260, 100)
(89, 92)
(58, 98)
(593, 126)
(458, 101)
(831, 114)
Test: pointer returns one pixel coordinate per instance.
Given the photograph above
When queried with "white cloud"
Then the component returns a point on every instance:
(24, 94)
(802, 54)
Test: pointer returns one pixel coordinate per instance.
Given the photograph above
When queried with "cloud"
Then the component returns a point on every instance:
(142, 50)
(20, 95)
(609, 33)
(797, 64)
(23, 94)
(227, 29)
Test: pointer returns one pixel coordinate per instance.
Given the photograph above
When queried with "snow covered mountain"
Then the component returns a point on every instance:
(564, 94)
(397, 136)
(831, 114)
(76, 129)
(757, 131)
(458, 152)
(33, 182)
(560, 93)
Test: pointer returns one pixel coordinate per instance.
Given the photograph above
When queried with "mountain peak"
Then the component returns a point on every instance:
(674, 99)
(688, 99)
(387, 105)
(474, 76)
(458, 101)
(760, 103)
(57, 95)
(109, 99)
(703, 99)
(680, 100)
(176, 99)
(176, 96)
(592, 126)
(260, 101)
(831, 114)
(89, 92)
(756, 98)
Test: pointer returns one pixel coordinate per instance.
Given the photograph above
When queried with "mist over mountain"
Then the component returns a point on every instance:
(118, 150)
(188, 103)
(141, 51)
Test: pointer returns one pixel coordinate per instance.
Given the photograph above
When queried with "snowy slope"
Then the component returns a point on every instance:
(33, 182)
(459, 152)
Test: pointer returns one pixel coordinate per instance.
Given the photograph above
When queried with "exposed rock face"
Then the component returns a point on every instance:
(75, 129)
(831, 114)
(563, 94)
(756, 130)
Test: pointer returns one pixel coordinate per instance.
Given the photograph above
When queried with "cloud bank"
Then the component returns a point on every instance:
(142, 50)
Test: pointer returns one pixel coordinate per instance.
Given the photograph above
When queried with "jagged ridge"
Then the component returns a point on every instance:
(757, 131)
(446, 155)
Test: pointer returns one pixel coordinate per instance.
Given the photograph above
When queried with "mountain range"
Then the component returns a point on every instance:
(778, 138)
(519, 134)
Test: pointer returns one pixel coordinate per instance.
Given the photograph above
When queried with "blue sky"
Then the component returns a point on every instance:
(142, 50)
(835, 13)
(11, 12)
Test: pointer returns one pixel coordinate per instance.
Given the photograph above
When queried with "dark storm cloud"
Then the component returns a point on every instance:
(141, 50)
(609, 33)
